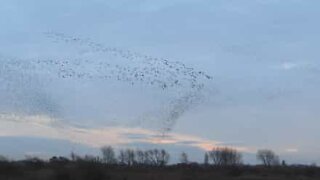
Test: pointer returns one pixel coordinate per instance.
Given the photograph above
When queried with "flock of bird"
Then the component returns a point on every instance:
(149, 70)
(115, 64)
(138, 68)
(22, 87)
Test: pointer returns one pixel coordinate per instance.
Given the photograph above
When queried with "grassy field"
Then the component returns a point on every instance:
(38, 170)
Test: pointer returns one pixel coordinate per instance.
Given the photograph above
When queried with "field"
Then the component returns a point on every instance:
(81, 170)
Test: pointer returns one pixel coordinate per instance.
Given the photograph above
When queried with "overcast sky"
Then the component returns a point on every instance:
(262, 55)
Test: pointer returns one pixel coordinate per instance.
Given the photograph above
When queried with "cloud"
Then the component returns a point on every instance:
(292, 150)
(288, 66)
(306, 66)
(46, 127)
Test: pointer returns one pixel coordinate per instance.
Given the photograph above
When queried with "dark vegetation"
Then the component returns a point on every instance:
(220, 163)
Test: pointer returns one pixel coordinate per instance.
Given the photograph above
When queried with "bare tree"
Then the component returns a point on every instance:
(224, 156)
(150, 157)
(283, 163)
(108, 154)
(162, 157)
(206, 158)
(121, 157)
(140, 157)
(156, 157)
(127, 157)
(91, 158)
(3, 159)
(184, 158)
(268, 157)
(75, 157)
(131, 158)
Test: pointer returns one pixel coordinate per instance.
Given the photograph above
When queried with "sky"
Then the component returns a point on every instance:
(185, 75)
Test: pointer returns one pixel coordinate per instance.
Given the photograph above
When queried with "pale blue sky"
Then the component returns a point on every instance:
(263, 55)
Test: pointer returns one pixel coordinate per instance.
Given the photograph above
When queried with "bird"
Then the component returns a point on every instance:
(133, 68)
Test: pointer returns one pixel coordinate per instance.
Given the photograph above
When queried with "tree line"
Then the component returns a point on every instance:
(219, 156)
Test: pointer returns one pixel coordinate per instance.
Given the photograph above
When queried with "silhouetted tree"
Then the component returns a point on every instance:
(3, 159)
(140, 157)
(206, 158)
(34, 161)
(127, 157)
(164, 157)
(91, 158)
(58, 159)
(108, 154)
(130, 157)
(161, 157)
(224, 156)
(149, 156)
(184, 158)
(268, 157)
(283, 163)
(121, 157)
(75, 157)
(156, 157)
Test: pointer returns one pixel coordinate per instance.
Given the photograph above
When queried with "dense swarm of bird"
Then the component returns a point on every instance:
(176, 108)
(150, 70)
(114, 64)
(22, 85)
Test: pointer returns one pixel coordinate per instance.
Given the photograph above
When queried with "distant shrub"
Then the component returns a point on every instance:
(59, 160)
(34, 162)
